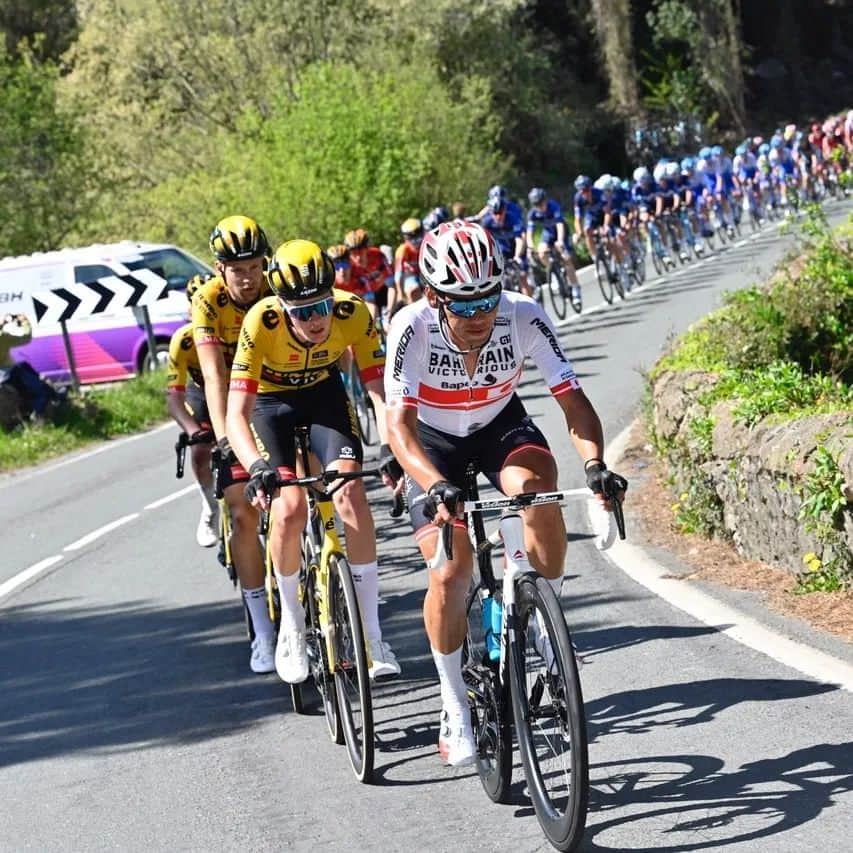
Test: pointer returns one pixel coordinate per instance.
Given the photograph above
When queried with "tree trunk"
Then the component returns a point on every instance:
(613, 27)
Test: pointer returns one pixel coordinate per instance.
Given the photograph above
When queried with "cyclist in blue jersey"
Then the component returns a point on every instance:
(667, 201)
(612, 227)
(721, 182)
(694, 200)
(504, 220)
(546, 216)
(644, 194)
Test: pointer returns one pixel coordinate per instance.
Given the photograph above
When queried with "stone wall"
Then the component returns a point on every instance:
(756, 473)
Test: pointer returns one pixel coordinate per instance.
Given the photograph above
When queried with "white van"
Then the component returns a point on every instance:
(107, 346)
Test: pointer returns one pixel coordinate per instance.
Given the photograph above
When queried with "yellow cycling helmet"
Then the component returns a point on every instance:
(196, 282)
(337, 252)
(357, 239)
(238, 238)
(300, 269)
(412, 228)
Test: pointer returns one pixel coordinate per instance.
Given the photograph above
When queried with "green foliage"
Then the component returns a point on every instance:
(672, 86)
(349, 148)
(44, 29)
(43, 173)
(101, 414)
(822, 511)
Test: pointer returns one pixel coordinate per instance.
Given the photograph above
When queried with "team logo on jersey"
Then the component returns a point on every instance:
(222, 299)
(489, 379)
(402, 346)
(344, 309)
(187, 342)
(346, 452)
(320, 353)
(270, 318)
(549, 336)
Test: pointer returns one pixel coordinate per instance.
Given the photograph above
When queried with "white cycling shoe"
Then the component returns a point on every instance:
(263, 654)
(384, 661)
(291, 656)
(456, 741)
(207, 532)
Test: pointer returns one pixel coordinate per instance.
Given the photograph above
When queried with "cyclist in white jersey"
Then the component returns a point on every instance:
(454, 361)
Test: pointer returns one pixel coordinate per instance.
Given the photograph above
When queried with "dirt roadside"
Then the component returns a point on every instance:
(714, 561)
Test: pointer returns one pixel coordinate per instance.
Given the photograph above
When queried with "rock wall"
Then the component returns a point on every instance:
(756, 473)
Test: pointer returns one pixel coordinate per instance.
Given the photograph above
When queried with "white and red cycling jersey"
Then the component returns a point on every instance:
(423, 372)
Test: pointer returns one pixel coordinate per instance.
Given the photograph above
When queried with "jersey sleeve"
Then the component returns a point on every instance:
(206, 316)
(540, 343)
(179, 345)
(249, 359)
(365, 342)
(405, 356)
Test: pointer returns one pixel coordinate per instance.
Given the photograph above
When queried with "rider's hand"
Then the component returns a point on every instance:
(389, 467)
(202, 436)
(263, 481)
(442, 494)
(604, 482)
(228, 457)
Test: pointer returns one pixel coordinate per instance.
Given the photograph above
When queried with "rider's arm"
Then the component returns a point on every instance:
(176, 383)
(205, 315)
(583, 424)
(407, 447)
(240, 407)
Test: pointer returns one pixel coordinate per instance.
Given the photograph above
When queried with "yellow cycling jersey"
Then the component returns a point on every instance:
(216, 318)
(183, 361)
(270, 359)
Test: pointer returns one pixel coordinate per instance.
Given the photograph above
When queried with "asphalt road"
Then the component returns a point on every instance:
(129, 717)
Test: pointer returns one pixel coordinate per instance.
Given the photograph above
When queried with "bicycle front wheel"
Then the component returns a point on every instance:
(490, 712)
(603, 276)
(549, 714)
(352, 678)
(362, 405)
(557, 289)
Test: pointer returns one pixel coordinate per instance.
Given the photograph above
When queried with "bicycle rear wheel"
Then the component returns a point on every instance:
(549, 714)
(557, 288)
(603, 276)
(352, 678)
(490, 713)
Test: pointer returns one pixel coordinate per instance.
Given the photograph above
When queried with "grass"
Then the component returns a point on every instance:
(96, 415)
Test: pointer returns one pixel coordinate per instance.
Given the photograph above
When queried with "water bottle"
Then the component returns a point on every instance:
(492, 617)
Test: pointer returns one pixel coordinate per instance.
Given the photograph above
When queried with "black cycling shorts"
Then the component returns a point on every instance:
(488, 448)
(196, 404)
(325, 408)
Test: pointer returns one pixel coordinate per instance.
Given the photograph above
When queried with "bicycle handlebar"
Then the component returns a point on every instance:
(602, 520)
(181, 445)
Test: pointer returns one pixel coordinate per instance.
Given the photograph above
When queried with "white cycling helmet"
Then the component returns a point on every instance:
(602, 183)
(660, 172)
(672, 170)
(774, 156)
(461, 259)
(641, 173)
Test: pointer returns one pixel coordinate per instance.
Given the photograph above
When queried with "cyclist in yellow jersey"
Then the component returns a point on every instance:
(285, 374)
(240, 247)
(186, 404)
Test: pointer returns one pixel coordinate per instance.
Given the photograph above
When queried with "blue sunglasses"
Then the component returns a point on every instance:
(305, 312)
(467, 308)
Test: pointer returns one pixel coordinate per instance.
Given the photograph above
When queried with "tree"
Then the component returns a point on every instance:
(613, 27)
(43, 28)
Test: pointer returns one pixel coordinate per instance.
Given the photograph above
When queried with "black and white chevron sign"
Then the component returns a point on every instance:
(105, 295)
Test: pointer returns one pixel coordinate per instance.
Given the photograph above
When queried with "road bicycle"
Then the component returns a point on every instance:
(519, 666)
(607, 270)
(637, 251)
(338, 656)
(549, 276)
(361, 403)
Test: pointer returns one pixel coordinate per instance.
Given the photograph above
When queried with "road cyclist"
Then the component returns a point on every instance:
(406, 279)
(454, 364)
(239, 246)
(186, 404)
(371, 268)
(285, 375)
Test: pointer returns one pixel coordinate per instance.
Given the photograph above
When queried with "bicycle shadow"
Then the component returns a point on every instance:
(760, 799)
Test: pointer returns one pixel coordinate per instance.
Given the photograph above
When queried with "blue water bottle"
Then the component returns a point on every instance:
(492, 617)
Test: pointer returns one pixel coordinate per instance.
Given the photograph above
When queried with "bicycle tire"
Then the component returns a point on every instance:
(556, 276)
(603, 276)
(638, 264)
(490, 712)
(549, 702)
(362, 405)
(352, 679)
(616, 276)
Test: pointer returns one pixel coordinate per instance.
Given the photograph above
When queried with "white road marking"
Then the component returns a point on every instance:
(637, 564)
(96, 534)
(18, 580)
(169, 498)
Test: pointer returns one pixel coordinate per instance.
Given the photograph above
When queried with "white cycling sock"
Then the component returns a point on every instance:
(292, 614)
(208, 499)
(454, 696)
(366, 577)
(256, 602)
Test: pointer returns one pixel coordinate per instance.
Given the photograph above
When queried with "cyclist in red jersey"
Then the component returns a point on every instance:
(370, 265)
(407, 279)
